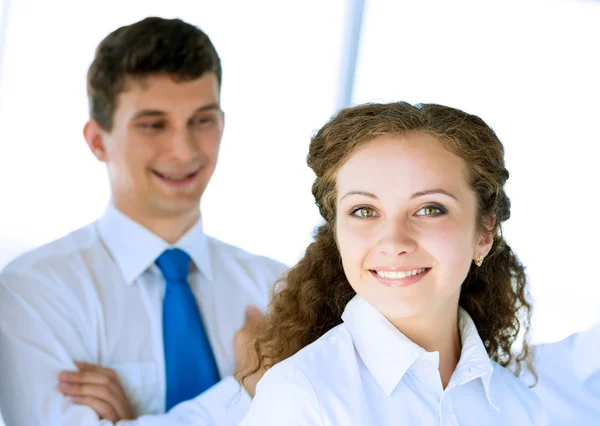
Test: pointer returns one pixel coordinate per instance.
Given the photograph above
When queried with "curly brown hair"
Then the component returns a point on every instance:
(311, 299)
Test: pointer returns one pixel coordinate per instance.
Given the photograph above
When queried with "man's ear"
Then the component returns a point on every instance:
(94, 136)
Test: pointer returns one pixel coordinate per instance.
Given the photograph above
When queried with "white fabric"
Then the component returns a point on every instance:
(96, 296)
(569, 379)
(365, 372)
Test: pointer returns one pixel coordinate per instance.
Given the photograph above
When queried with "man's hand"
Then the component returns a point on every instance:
(244, 353)
(97, 387)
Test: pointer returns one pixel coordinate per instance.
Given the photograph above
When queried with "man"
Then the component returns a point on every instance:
(137, 312)
(569, 379)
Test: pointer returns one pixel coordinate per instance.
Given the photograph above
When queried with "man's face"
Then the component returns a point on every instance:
(164, 144)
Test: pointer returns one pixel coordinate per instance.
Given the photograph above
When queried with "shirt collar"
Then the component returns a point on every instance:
(585, 349)
(388, 354)
(135, 248)
(474, 360)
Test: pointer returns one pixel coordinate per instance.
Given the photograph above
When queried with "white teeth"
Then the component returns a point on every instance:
(400, 274)
(176, 177)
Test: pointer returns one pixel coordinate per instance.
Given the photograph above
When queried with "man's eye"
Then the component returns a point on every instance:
(152, 125)
(203, 120)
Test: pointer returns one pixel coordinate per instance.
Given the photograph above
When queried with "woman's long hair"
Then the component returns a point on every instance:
(311, 299)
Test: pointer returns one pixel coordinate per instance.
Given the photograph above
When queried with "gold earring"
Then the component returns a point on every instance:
(479, 260)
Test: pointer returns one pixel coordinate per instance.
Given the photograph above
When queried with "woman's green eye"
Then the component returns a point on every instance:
(364, 212)
(429, 211)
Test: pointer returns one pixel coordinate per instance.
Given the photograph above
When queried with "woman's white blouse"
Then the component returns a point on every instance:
(364, 372)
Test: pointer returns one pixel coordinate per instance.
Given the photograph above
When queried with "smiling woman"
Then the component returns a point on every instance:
(421, 225)
(408, 302)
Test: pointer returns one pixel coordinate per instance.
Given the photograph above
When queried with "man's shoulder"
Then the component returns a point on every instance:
(53, 255)
(250, 261)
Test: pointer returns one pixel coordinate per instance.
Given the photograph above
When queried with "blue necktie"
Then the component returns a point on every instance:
(189, 361)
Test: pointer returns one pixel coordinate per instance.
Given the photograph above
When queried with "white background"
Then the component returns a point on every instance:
(529, 68)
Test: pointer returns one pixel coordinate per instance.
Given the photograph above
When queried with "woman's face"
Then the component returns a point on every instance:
(406, 224)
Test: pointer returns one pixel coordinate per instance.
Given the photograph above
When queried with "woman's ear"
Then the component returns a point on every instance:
(486, 237)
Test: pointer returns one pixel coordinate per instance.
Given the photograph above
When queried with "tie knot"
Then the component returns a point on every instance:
(174, 265)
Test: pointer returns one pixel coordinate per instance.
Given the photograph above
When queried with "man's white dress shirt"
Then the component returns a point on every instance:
(364, 372)
(96, 296)
(569, 379)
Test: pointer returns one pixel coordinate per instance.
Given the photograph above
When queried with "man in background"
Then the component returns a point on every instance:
(137, 312)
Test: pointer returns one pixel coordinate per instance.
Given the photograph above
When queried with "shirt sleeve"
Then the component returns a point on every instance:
(41, 335)
(34, 324)
(224, 404)
(284, 396)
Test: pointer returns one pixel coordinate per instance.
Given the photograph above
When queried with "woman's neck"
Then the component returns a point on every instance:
(436, 332)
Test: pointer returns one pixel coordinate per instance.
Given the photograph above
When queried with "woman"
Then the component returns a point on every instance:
(405, 308)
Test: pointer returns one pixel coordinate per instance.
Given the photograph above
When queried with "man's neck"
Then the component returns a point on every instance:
(168, 227)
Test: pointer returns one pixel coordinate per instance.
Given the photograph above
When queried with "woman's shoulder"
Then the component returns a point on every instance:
(289, 389)
(323, 352)
(308, 367)
(511, 394)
